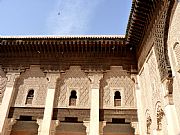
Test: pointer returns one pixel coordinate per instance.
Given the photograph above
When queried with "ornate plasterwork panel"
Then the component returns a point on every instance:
(32, 78)
(152, 91)
(158, 93)
(73, 79)
(117, 80)
(155, 80)
(3, 81)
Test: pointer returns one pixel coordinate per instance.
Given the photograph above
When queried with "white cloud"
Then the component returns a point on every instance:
(74, 17)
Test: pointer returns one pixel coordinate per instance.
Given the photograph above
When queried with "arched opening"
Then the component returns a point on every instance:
(160, 114)
(117, 98)
(148, 122)
(30, 96)
(24, 126)
(176, 48)
(72, 98)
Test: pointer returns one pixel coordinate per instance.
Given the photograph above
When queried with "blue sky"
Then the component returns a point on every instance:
(64, 17)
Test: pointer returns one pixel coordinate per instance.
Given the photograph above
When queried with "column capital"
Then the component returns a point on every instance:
(12, 121)
(102, 124)
(39, 122)
(87, 125)
(54, 124)
(11, 78)
(95, 79)
(52, 78)
(168, 91)
(135, 125)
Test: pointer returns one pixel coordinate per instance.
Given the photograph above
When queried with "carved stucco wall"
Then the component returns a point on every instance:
(3, 81)
(151, 92)
(73, 79)
(174, 54)
(117, 80)
(32, 78)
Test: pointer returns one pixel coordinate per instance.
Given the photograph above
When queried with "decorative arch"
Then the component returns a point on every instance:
(176, 49)
(159, 115)
(148, 122)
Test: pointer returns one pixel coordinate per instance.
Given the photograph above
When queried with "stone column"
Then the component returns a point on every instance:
(94, 113)
(54, 124)
(86, 124)
(135, 125)
(139, 106)
(170, 110)
(102, 124)
(6, 102)
(172, 120)
(48, 111)
(154, 132)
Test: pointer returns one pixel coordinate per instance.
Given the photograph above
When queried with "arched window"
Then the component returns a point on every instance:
(176, 48)
(117, 98)
(30, 96)
(148, 124)
(160, 115)
(72, 98)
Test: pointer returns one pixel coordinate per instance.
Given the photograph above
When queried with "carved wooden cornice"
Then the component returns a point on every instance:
(59, 52)
(142, 13)
(60, 44)
(148, 26)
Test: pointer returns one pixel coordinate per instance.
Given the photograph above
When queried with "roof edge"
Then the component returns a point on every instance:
(61, 36)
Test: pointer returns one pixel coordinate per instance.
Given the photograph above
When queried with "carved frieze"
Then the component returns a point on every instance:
(35, 112)
(61, 113)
